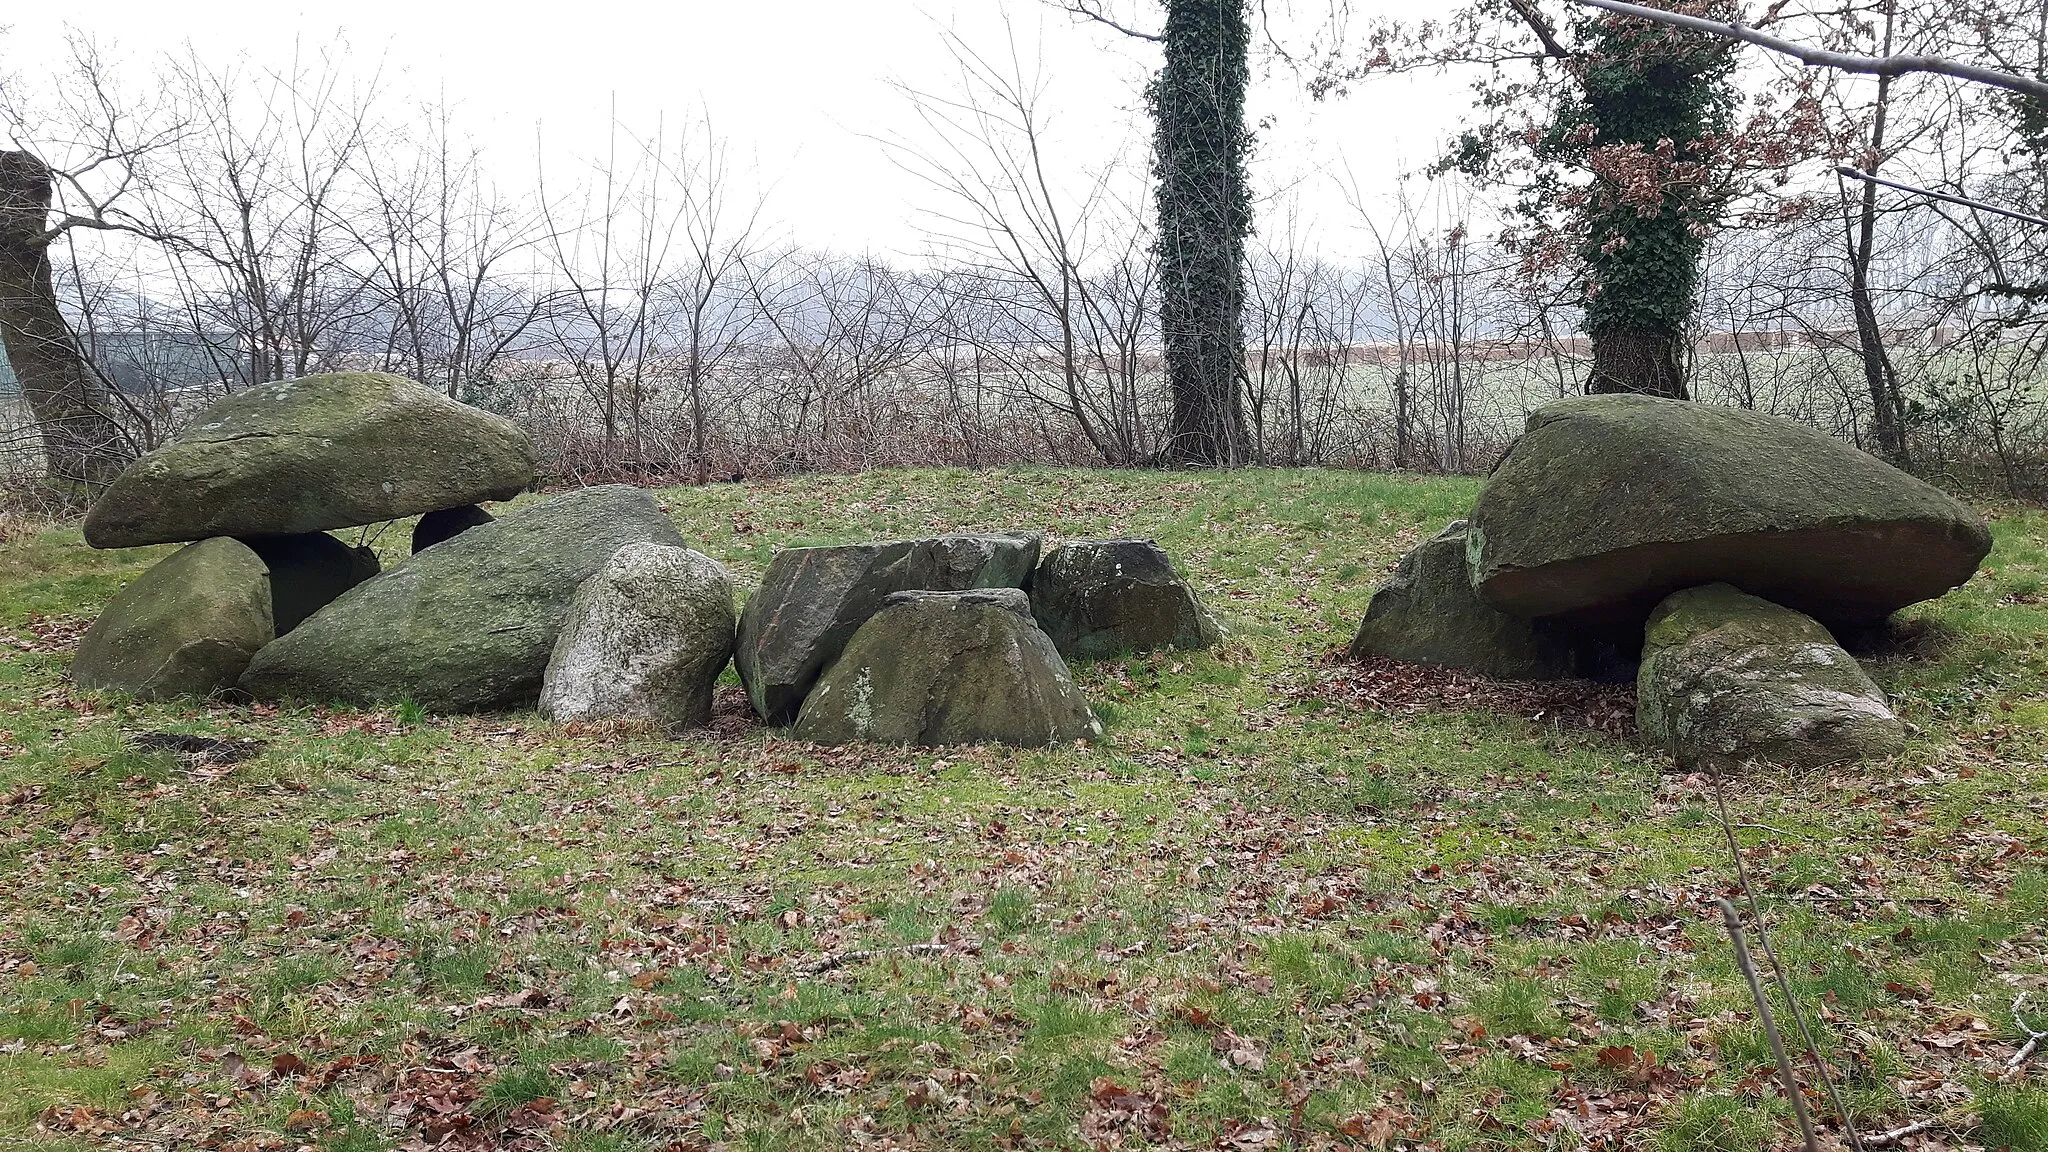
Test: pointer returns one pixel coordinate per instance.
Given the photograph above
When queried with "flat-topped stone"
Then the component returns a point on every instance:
(331, 451)
(1608, 504)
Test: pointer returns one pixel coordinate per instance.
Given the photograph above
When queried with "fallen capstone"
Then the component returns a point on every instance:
(469, 624)
(811, 601)
(1103, 598)
(645, 640)
(1427, 613)
(186, 627)
(1730, 680)
(307, 572)
(1608, 504)
(332, 451)
(940, 668)
(446, 524)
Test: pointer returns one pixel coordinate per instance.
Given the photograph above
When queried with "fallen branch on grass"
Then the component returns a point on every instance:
(840, 959)
(2034, 1038)
(1887, 1139)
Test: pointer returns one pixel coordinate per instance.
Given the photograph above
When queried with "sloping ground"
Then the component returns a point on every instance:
(1288, 904)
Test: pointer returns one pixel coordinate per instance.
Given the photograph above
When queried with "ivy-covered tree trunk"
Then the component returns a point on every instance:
(82, 446)
(1204, 212)
(1653, 99)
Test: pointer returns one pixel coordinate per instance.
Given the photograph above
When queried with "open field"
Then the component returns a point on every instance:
(1286, 904)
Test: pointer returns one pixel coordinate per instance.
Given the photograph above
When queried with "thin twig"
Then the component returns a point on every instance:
(1786, 1078)
(1887, 1139)
(840, 959)
(1778, 974)
(1776, 831)
(1822, 58)
(1965, 201)
(2034, 1038)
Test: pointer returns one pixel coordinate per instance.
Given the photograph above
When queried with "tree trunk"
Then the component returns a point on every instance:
(1887, 406)
(1204, 213)
(1633, 360)
(82, 446)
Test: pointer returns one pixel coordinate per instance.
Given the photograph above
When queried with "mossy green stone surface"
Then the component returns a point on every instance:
(186, 627)
(331, 451)
(943, 668)
(1607, 504)
(1427, 613)
(811, 601)
(468, 624)
(1730, 681)
(1100, 599)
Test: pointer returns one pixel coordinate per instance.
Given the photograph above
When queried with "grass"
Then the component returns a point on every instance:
(1256, 915)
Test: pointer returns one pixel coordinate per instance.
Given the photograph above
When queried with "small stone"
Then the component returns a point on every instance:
(446, 524)
(469, 624)
(1427, 613)
(811, 601)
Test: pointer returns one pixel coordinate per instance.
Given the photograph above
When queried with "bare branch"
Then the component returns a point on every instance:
(1822, 58)
(1858, 174)
(1540, 25)
(1083, 9)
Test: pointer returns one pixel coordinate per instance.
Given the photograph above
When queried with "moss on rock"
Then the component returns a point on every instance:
(330, 451)
(942, 668)
(467, 625)
(187, 627)
(1730, 680)
(1607, 504)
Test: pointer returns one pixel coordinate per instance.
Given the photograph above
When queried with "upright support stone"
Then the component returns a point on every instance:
(1730, 681)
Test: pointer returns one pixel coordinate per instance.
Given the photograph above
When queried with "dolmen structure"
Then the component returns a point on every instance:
(1711, 553)
(587, 605)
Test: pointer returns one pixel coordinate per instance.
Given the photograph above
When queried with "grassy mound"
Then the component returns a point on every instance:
(1287, 903)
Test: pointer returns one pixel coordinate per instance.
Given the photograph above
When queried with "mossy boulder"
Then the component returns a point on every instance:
(1730, 680)
(187, 627)
(1608, 504)
(331, 451)
(811, 601)
(941, 668)
(446, 524)
(467, 625)
(1103, 598)
(308, 571)
(645, 640)
(1427, 613)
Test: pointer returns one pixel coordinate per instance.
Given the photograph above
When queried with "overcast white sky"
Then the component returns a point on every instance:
(799, 88)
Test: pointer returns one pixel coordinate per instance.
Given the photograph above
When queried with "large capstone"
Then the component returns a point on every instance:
(1608, 504)
(1427, 613)
(1105, 598)
(467, 625)
(186, 627)
(308, 571)
(1729, 680)
(812, 599)
(332, 451)
(645, 640)
(940, 668)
